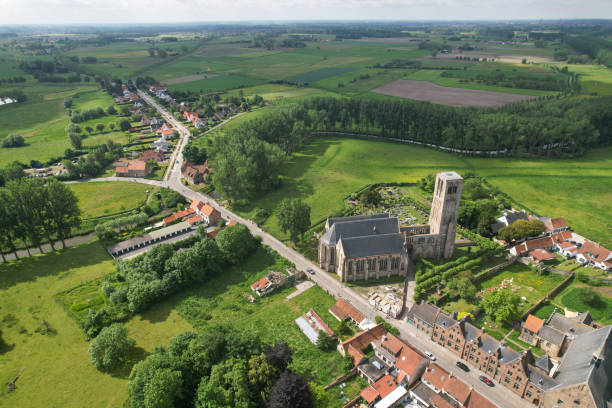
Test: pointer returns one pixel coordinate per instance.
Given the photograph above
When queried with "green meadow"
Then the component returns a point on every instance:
(97, 199)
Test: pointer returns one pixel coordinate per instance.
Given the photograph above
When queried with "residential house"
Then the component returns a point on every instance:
(195, 174)
(530, 330)
(508, 218)
(379, 390)
(532, 244)
(155, 89)
(311, 324)
(161, 145)
(211, 215)
(596, 255)
(555, 225)
(567, 249)
(195, 220)
(408, 364)
(178, 216)
(132, 168)
(342, 310)
(423, 316)
(262, 287)
(152, 155)
(199, 123)
(541, 255)
(356, 344)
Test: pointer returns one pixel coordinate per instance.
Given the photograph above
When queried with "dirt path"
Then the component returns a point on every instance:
(22, 253)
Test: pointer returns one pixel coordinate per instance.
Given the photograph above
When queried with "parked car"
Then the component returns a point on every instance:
(431, 356)
(463, 366)
(310, 271)
(486, 381)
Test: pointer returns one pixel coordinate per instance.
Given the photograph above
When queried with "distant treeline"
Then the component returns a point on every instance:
(596, 48)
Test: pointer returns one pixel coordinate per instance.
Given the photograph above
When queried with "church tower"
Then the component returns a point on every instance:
(444, 211)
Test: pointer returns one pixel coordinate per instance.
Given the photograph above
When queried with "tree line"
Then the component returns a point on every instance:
(34, 210)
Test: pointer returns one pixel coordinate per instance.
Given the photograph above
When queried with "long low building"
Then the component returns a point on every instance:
(159, 235)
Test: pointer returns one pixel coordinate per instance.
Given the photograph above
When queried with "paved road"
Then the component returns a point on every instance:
(498, 394)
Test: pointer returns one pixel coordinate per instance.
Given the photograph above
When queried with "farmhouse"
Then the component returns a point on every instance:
(508, 218)
(132, 168)
(567, 249)
(596, 255)
(211, 215)
(178, 215)
(311, 324)
(540, 255)
(364, 247)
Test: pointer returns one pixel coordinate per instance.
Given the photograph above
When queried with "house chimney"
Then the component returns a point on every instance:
(374, 229)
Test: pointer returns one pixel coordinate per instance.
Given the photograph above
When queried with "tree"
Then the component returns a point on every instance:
(294, 217)
(236, 243)
(112, 126)
(111, 348)
(13, 140)
(124, 125)
(465, 287)
(262, 375)
(370, 196)
(111, 110)
(163, 389)
(194, 154)
(76, 140)
(326, 342)
(343, 328)
(100, 127)
(279, 355)
(89, 129)
(502, 304)
(290, 390)
(227, 386)
(63, 208)
(521, 229)
(590, 297)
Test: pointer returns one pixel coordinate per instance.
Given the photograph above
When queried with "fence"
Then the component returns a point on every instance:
(343, 378)
(494, 270)
(550, 294)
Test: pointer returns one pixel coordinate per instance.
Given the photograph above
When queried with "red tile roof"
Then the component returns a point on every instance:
(392, 344)
(260, 284)
(562, 236)
(556, 223)
(409, 361)
(361, 340)
(342, 309)
(370, 394)
(195, 220)
(321, 323)
(151, 155)
(533, 324)
(438, 402)
(385, 386)
(435, 375)
(478, 401)
(541, 255)
(566, 245)
(520, 248)
(595, 252)
(457, 389)
(544, 242)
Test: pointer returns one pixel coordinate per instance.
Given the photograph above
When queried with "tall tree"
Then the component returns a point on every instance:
(290, 390)
(294, 217)
(63, 208)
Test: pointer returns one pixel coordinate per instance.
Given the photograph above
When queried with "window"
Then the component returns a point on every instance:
(476, 361)
(490, 369)
(382, 264)
(507, 380)
(332, 257)
(509, 372)
(350, 268)
(528, 394)
(371, 264)
(449, 344)
(452, 190)
(450, 336)
(516, 386)
(456, 348)
(442, 338)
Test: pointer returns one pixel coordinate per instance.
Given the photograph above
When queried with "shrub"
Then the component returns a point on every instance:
(13, 140)
(107, 289)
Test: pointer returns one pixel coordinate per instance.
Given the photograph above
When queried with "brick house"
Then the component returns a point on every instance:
(132, 168)
(152, 155)
(195, 174)
(211, 215)
(596, 255)
(530, 330)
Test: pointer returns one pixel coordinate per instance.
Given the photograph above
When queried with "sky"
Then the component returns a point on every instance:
(147, 11)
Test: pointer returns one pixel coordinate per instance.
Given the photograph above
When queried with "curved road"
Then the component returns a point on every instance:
(500, 395)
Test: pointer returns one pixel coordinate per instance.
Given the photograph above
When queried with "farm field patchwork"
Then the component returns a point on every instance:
(216, 83)
(430, 92)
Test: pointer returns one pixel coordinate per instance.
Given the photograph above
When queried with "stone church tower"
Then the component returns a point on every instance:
(444, 211)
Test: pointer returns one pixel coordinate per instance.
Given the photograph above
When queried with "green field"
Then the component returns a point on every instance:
(217, 83)
(104, 198)
(328, 169)
(56, 364)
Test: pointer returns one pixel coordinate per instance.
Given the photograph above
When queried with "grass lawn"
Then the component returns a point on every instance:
(104, 198)
(56, 365)
(514, 336)
(525, 283)
(224, 299)
(601, 311)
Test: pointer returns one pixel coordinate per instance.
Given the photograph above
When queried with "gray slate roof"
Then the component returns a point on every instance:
(373, 245)
(544, 363)
(488, 344)
(444, 320)
(551, 335)
(470, 332)
(360, 228)
(539, 379)
(567, 325)
(507, 355)
(579, 366)
(424, 392)
(332, 220)
(371, 370)
(424, 311)
(513, 217)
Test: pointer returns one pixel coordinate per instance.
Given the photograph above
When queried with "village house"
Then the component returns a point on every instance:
(180, 215)
(540, 256)
(596, 255)
(342, 310)
(132, 168)
(152, 155)
(311, 324)
(567, 249)
(160, 144)
(269, 283)
(211, 215)
(195, 174)
(531, 245)
(554, 225)
(508, 218)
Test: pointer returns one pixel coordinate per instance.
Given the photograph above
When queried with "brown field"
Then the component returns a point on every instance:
(512, 59)
(430, 92)
(223, 50)
(187, 78)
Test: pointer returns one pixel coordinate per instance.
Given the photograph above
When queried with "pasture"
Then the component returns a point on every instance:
(328, 169)
(98, 199)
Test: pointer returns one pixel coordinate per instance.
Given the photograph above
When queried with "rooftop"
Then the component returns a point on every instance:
(372, 245)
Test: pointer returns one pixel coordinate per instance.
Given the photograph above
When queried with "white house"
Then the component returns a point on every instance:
(596, 255)
(567, 249)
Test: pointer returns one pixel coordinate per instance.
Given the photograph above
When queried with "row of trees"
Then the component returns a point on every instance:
(33, 211)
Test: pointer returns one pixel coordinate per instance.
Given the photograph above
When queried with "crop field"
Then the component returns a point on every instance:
(97, 199)
(317, 75)
(594, 79)
(216, 83)
(430, 92)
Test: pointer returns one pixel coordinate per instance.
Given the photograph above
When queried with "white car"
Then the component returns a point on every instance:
(431, 356)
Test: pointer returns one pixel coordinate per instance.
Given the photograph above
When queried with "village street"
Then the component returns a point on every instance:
(498, 394)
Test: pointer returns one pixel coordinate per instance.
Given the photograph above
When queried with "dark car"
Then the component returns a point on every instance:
(310, 271)
(486, 381)
(463, 366)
